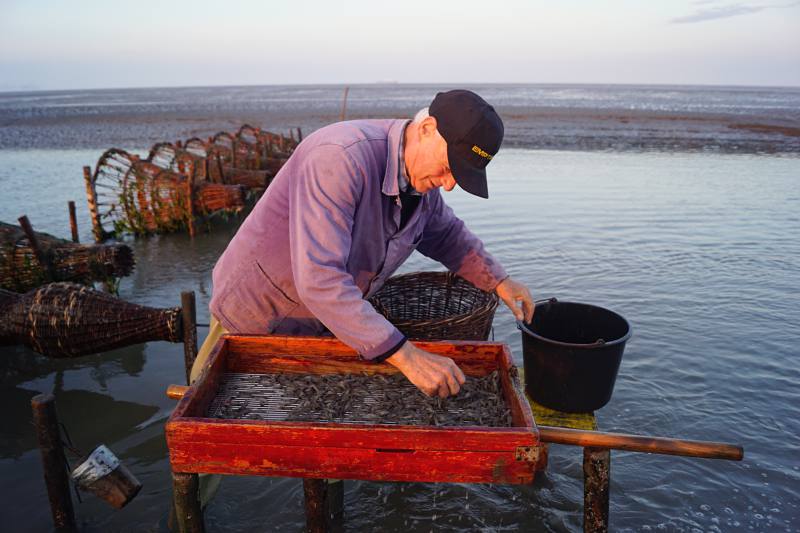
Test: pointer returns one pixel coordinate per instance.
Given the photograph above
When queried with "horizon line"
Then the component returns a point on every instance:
(397, 83)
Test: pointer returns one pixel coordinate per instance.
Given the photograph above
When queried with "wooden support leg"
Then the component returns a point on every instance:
(596, 478)
(189, 319)
(324, 504)
(188, 514)
(55, 472)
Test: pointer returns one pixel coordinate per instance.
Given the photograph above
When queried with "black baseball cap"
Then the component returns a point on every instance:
(474, 133)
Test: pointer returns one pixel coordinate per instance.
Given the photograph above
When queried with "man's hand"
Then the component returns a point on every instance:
(432, 374)
(512, 292)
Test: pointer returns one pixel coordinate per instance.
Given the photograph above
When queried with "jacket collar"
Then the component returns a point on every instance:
(396, 130)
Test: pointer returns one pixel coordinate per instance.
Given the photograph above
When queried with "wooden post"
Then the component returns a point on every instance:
(54, 463)
(324, 501)
(344, 104)
(36, 247)
(189, 319)
(91, 198)
(596, 477)
(299, 135)
(190, 206)
(73, 221)
(188, 513)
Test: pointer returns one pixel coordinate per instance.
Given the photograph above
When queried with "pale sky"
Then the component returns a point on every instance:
(98, 44)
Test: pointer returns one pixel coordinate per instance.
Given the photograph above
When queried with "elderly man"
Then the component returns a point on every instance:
(351, 204)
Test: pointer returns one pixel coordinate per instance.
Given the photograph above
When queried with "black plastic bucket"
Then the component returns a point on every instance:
(572, 353)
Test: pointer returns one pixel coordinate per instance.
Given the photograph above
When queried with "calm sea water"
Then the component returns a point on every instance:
(657, 205)
(699, 251)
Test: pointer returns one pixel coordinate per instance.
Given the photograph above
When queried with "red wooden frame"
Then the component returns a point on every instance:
(349, 451)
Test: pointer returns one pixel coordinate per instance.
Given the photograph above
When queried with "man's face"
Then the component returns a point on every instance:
(430, 168)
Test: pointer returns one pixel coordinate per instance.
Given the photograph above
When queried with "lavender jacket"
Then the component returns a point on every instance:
(325, 236)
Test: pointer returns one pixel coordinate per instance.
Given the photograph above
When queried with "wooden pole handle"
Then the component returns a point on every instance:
(176, 392)
(638, 443)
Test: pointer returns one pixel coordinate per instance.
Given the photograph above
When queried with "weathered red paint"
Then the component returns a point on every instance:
(349, 451)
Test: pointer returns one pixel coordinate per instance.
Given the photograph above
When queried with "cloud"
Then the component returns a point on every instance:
(724, 11)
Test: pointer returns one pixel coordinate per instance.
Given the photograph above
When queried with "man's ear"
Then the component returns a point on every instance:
(427, 127)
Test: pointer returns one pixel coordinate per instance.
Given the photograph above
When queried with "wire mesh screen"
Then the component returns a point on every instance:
(357, 399)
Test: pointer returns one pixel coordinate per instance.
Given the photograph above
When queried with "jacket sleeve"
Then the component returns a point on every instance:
(323, 199)
(446, 239)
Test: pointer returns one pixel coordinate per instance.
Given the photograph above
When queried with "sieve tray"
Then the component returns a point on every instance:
(202, 440)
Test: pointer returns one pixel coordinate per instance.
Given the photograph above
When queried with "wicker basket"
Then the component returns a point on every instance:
(436, 306)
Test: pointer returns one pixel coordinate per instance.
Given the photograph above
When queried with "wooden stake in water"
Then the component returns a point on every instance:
(324, 500)
(91, 199)
(344, 104)
(190, 207)
(188, 513)
(45, 420)
(189, 319)
(36, 247)
(73, 221)
(596, 480)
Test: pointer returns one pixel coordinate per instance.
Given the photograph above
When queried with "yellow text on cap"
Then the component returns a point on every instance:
(481, 153)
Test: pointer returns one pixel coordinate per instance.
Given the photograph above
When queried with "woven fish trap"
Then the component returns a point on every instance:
(215, 197)
(128, 198)
(206, 150)
(263, 150)
(199, 147)
(244, 158)
(275, 145)
(436, 306)
(70, 320)
(249, 179)
(169, 157)
(20, 269)
(140, 197)
(234, 152)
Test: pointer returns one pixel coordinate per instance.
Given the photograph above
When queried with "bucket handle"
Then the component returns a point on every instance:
(551, 300)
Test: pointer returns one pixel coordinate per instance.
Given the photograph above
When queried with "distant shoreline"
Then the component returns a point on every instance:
(559, 117)
(25, 91)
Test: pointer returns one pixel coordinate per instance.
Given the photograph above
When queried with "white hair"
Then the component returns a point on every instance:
(421, 115)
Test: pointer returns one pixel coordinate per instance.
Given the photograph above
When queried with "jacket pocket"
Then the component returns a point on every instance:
(255, 304)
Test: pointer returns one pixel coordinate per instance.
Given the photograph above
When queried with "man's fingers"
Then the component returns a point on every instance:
(518, 314)
(511, 303)
(452, 383)
(529, 307)
(436, 375)
(460, 376)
